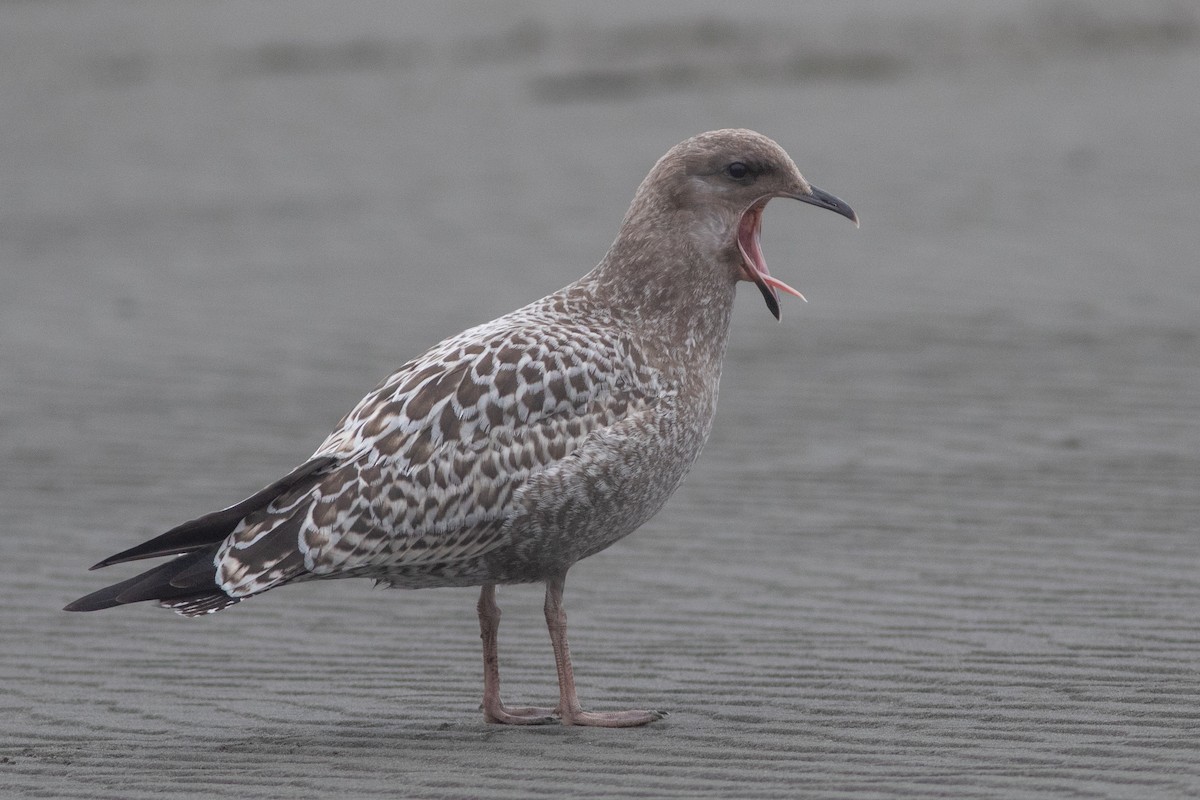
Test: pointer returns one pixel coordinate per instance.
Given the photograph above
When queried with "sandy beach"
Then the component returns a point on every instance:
(944, 540)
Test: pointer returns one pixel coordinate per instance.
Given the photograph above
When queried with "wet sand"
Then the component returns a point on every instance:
(944, 540)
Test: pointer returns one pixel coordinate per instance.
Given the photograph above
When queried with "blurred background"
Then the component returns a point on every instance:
(943, 538)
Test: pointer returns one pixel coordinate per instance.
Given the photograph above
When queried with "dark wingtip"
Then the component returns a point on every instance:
(212, 528)
(132, 554)
(95, 601)
(180, 577)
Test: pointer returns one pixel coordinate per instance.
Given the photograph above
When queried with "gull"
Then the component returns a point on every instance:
(509, 452)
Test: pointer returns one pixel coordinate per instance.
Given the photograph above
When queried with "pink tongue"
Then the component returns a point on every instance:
(748, 243)
(781, 286)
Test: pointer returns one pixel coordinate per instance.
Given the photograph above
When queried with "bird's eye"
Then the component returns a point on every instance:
(737, 170)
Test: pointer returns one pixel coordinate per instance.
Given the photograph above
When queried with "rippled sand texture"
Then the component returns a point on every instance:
(944, 540)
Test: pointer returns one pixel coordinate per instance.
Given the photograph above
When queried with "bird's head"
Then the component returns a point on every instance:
(722, 180)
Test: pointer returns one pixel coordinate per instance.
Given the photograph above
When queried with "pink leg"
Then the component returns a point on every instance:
(568, 705)
(493, 709)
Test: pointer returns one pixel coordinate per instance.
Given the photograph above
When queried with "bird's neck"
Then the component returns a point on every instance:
(676, 296)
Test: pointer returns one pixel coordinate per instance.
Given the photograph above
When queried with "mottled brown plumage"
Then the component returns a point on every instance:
(509, 452)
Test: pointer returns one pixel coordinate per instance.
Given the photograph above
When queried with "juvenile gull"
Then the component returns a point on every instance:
(510, 451)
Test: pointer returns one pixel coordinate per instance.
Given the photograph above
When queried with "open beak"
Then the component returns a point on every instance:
(754, 266)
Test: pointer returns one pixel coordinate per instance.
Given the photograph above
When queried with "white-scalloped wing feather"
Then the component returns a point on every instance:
(432, 460)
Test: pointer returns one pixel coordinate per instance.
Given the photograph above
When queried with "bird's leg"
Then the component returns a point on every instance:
(493, 709)
(568, 704)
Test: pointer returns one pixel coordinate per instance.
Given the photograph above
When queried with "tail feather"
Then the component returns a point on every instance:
(200, 604)
(187, 583)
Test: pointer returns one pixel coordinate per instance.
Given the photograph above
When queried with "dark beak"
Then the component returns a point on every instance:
(772, 299)
(825, 200)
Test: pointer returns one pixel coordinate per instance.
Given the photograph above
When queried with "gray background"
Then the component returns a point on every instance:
(943, 541)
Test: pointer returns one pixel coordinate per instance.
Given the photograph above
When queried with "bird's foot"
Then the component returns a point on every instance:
(500, 714)
(611, 719)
